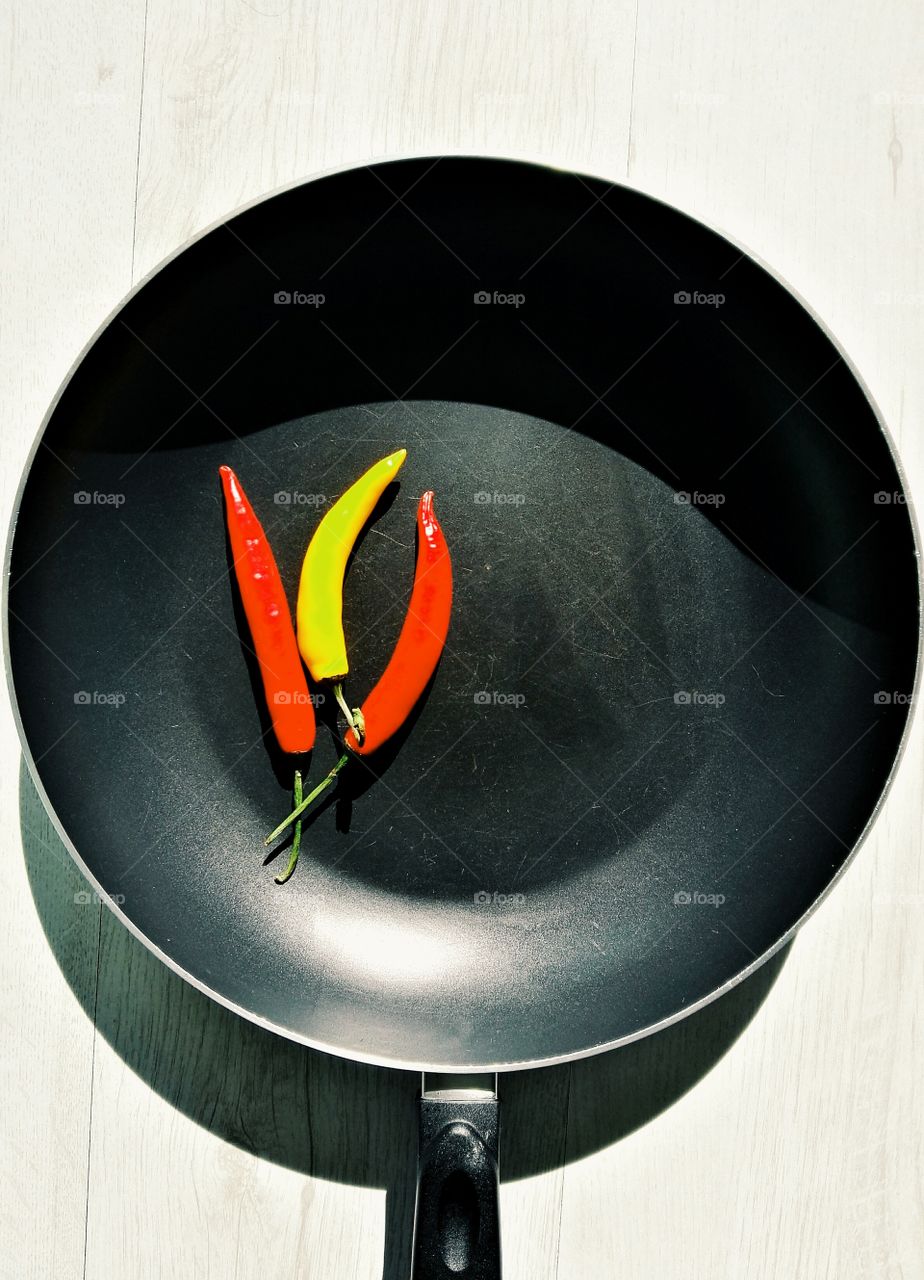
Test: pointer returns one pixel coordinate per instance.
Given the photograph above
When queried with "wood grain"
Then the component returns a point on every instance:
(148, 1133)
(67, 183)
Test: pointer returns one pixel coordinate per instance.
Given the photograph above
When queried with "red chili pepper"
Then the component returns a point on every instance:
(421, 640)
(270, 621)
(411, 664)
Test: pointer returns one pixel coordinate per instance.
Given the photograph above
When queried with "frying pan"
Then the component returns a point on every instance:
(683, 646)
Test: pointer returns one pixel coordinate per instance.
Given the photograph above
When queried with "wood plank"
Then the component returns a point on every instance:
(46, 1005)
(66, 196)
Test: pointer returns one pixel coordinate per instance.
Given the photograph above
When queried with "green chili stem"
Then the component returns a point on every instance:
(297, 838)
(312, 795)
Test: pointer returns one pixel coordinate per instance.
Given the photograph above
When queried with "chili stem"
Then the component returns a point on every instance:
(344, 707)
(297, 838)
(359, 725)
(312, 795)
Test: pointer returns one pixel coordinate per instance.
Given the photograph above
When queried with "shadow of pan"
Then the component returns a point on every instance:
(326, 1116)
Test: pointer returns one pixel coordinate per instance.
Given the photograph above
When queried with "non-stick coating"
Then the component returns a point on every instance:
(660, 725)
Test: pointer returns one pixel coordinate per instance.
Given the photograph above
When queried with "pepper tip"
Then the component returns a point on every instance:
(230, 483)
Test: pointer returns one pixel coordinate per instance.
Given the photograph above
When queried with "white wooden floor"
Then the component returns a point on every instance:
(148, 1134)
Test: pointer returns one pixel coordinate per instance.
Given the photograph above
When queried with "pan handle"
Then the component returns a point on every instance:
(456, 1220)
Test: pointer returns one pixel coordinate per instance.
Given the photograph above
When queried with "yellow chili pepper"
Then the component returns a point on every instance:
(319, 611)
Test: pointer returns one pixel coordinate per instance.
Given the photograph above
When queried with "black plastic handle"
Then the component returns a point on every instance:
(456, 1222)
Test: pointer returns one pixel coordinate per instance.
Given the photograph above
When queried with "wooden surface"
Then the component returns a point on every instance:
(146, 1133)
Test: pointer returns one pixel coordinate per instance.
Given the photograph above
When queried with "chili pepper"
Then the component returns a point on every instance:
(421, 640)
(415, 655)
(319, 611)
(270, 621)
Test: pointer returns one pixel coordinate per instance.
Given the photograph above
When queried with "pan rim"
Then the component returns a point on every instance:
(538, 161)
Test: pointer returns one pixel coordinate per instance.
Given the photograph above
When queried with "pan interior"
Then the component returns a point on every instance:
(684, 626)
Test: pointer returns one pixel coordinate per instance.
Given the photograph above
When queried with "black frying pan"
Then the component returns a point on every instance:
(683, 643)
